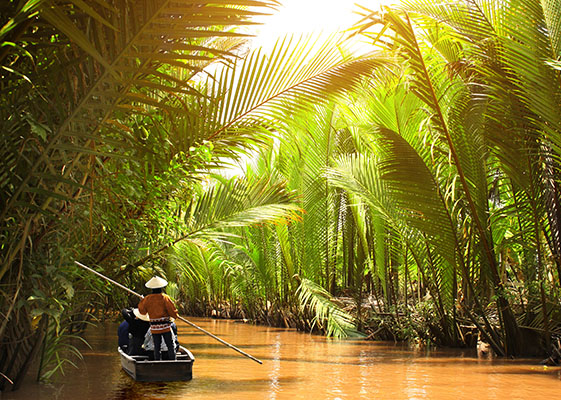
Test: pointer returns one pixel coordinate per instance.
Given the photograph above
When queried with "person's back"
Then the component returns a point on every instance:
(161, 309)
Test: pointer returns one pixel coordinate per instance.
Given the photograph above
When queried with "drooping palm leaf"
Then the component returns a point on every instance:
(236, 203)
(433, 90)
(262, 89)
(337, 322)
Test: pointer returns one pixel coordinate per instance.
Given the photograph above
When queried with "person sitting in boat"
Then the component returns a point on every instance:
(161, 309)
(123, 332)
(138, 326)
(149, 342)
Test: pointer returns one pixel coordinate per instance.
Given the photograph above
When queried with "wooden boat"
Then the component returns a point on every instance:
(141, 368)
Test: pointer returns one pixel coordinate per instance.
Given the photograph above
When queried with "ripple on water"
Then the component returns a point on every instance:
(299, 366)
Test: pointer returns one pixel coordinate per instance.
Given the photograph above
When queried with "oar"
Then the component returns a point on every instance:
(180, 317)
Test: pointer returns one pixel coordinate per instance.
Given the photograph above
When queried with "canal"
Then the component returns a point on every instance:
(299, 366)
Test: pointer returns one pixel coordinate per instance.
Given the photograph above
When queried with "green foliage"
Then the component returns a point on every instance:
(427, 195)
(93, 166)
(327, 314)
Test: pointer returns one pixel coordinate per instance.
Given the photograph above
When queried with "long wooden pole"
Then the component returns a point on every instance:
(180, 317)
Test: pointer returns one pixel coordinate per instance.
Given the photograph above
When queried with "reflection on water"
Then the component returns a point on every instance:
(299, 366)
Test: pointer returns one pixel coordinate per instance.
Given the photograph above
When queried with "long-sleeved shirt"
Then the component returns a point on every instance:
(160, 308)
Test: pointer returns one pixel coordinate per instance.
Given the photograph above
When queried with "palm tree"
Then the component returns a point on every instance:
(305, 264)
(105, 111)
(475, 84)
(73, 76)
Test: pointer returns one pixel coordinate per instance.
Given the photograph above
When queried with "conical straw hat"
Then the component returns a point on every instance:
(137, 314)
(156, 283)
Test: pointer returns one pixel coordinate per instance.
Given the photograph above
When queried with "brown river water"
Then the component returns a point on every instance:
(299, 366)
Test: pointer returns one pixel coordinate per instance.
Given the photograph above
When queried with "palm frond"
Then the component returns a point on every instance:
(89, 68)
(552, 11)
(236, 203)
(433, 89)
(328, 314)
(259, 87)
(239, 203)
(119, 66)
(389, 184)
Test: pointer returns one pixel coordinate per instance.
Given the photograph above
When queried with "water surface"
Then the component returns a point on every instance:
(299, 366)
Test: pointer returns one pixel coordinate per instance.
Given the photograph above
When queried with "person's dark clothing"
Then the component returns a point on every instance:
(137, 327)
(123, 335)
(135, 347)
(158, 343)
(137, 330)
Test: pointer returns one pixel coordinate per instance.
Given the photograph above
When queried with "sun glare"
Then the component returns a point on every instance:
(309, 16)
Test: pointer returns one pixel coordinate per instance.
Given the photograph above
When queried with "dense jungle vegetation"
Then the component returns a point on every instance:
(411, 193)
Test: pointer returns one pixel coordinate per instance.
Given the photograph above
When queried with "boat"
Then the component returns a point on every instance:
(142, 369)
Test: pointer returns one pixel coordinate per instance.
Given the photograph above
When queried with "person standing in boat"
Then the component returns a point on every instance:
(161, 309)
(148, 344)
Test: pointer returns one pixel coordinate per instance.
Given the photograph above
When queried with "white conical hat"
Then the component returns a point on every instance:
(156, 283)
(137, 314)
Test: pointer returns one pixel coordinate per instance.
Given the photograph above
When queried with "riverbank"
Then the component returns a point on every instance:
(415, 325)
